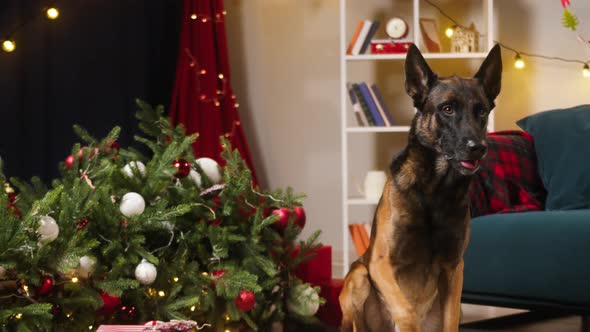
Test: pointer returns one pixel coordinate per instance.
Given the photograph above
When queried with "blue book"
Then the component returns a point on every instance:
(383, 105)
(367, 41)
(371, 104)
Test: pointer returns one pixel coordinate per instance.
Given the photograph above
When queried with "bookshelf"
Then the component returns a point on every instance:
(350, 133)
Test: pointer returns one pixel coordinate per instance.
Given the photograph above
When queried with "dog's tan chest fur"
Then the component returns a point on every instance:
(403, 251)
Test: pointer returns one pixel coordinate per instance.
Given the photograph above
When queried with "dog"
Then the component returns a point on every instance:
(411, 276)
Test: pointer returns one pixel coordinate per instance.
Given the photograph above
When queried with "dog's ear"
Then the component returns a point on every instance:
(419, 76)
(490, 73)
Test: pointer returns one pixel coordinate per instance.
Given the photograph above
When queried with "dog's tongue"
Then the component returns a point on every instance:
(470, 164)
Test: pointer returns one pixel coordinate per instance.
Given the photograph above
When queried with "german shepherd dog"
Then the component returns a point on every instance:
(411, 276)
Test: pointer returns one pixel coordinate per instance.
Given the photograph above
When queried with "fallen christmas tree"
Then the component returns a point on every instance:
(123, 238)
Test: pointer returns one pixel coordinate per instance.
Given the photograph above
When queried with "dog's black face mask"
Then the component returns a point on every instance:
(452, 113)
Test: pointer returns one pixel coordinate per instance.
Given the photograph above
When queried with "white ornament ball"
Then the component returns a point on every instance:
(211, 169)
(132, 204)
(133, 167)
(145, 272)
(48, 230)
(87, 266)
(2, 272)
(196, 177)
(303, 300)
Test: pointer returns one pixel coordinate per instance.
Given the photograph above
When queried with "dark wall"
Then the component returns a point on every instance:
(86, 67)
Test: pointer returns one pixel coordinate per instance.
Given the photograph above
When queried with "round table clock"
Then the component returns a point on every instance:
(396, 28)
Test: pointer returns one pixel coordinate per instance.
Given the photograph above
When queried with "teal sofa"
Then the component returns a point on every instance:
(531, 260)
(535, 260)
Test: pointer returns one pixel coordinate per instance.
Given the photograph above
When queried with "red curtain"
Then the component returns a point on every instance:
(203, 100)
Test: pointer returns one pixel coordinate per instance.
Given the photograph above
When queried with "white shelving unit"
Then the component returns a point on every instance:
(348, 129)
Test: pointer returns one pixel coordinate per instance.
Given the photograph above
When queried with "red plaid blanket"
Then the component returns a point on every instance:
(508, 180)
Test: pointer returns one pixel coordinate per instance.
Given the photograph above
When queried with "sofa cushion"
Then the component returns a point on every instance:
(563, 154)
(507, 180)
(540, 255)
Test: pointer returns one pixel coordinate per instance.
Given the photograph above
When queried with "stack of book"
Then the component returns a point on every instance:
(368, 105)
(361, 39)
(360, 234)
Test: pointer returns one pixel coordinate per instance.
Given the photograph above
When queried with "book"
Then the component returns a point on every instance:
(355, 36)
(371, 104)
(361, 119)
(383, 104)
(379, 107)
(368, 228)
(357, 90)
(361, 37)
(356, 239)
(370, 34)
(364, 236)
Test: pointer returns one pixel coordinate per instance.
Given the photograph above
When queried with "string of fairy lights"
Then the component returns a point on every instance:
(518, 55)
(9, 43)
(52, 13)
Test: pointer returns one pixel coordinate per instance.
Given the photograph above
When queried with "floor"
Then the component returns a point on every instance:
(477, 313)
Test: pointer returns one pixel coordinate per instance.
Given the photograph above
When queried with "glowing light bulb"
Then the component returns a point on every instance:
(518, 62)
(8, 45)
(90, 327)
(162, 293)
(193, 308)
(449, 32)
(586, 71)
(52, 13)
(18, 316)
(220, 76)
(75, 279)
(194, 16)
(175, 279)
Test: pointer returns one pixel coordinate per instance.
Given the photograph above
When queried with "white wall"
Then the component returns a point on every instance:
(285, 72)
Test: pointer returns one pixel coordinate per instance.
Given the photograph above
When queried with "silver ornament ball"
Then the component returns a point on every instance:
(132, 204)
(48, 230)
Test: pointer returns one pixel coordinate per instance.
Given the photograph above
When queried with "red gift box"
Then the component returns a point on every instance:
(330, 312)
(121, 328)
(318, 268)
(389, 46)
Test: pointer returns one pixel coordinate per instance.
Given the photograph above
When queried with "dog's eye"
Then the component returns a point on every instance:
(448, 109)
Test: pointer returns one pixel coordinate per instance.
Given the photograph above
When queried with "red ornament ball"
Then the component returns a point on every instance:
(46, 286)
(217, 273)
(110, 303)
(283, 221)
(113, 146)
(70, 161)
(245, 300)
(183, 167)
(127, 313)
(82, 223)
(299, 216)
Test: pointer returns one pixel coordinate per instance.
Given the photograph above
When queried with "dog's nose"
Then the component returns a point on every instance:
(476, 150)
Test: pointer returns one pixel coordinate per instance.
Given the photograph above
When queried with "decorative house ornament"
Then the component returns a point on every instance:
(465, 40)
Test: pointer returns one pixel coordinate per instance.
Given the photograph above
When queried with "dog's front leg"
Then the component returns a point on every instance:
(450, 290)
(403, 313)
